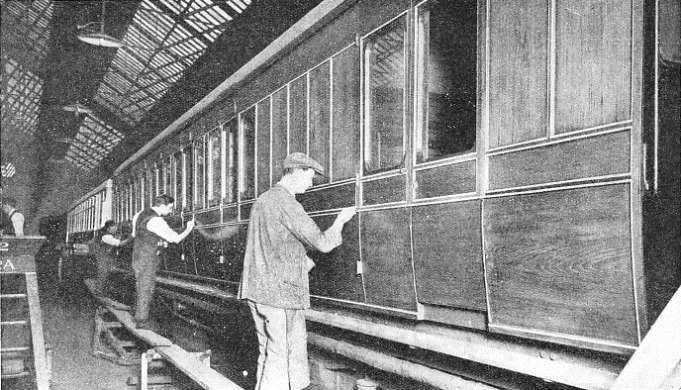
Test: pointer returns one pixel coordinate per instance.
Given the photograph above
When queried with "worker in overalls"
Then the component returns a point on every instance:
(151, 231)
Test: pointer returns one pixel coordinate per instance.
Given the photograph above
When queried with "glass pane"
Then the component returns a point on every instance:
(247, 169)
(177, 168)
(156, 184)
(446, 79)
(167, 177)
(345, 112)
(232, 157)
(384, 65)
(143, 190)
(149, 188)
(188, 178)
(200, 164)
(214, 173)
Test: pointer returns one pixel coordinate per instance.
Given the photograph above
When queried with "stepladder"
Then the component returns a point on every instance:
(25, 359)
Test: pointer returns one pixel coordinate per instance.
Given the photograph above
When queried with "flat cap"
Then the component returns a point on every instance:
(302, 160)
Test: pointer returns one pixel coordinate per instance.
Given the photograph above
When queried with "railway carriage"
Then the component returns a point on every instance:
(508, 160)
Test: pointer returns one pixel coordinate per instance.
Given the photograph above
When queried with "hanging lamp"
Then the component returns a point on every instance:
(100, 38)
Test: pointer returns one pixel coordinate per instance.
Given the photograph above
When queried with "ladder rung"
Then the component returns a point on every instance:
(14, 323)
(12, 295)
(15, 349)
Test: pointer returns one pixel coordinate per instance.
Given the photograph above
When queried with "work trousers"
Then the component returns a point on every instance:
(145, 283)
(105, 264)
(282, 343)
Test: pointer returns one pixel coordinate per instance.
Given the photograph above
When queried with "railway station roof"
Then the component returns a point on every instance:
(85, 84)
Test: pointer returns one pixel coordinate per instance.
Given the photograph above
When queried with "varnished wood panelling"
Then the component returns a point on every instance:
(320, 115)
(245, 210)
(593, 63)
(560, 262)
(298, 120)
(518, 71)
(279, 132)
(234, 248)
(263, 145)
(345, 107)
(386, 190)
(448, 255)
(208, 252)
(229, 214)
(189, 251)
(328, 198)
(208, 217)
(386, 255)
(583, 158)
(335, 274)
(446, 180)
(172, 255)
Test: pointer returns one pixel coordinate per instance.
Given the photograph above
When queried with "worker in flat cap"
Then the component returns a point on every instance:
(275, 275)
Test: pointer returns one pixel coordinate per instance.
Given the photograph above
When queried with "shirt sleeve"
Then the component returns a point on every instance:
(111, 240)
(160, 227)
(134, 223)
(306, 230)
(18, 223)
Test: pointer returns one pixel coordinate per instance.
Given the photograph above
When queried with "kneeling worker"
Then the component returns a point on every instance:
(150, 231)
(275, 275)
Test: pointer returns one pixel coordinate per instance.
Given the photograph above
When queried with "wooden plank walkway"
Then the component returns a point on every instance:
(187, 362)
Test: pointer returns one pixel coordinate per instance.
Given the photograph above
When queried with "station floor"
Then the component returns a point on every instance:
(68, 323)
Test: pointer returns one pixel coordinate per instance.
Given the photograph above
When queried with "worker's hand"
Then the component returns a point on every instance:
(191, 223)
(346, 214)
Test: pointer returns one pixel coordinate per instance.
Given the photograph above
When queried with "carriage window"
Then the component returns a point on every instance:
(232, 158)
(384, 85)
(130, 204)
(214, 166)
(446, 76)
(177, 169)
(188, 168)
(200, 166)
(157, 183)
(142, 190)
(149, 188)
(167, 177)
(247, 148)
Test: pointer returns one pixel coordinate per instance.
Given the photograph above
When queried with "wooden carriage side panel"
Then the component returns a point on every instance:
(445, 180)
(263, 146)
(518, 71)
(559, 266)
(320, 115)
(233, 249)
(279, 132)
(598, 156)
(208, 253)
(298, 115)
(391, 189)
(386, 257)
(448, 255)
(345, 114)
(329, 198)
(335, 274)
(172, 255)
(593, 63)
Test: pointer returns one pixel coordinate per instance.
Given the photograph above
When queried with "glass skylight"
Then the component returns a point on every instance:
(25, 33)
(94, 141)
(20, 97)
(164, 39)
